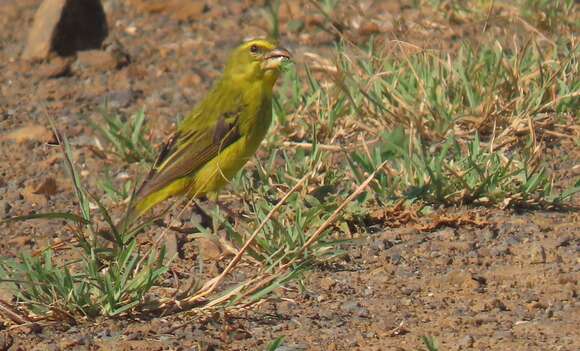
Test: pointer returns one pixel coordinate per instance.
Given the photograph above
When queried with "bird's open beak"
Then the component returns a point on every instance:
(275, 58)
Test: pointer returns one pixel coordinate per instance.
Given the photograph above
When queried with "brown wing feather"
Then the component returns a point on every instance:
(175, 163)
(163, 154)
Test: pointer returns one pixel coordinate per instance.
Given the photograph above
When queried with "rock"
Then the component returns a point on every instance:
(5, 208)
(120, 98)
(466, 342)
(190, 80)
(461, 279)
(64, 27)
(97, 59)
(118, 51)
(446, 234)
(208, 249)
(488, 234)
(47, 188)
(354, 308)
(501, 250)
(395, 258)
(327, 283)
(463, 246)
(380, 244)
(513, 241)
(32, 132)
(496, 303)
(505, 229)
(58, 67)
(171, 244)
(74, 342)
(537, 254)
(286, 307)
(178, 9)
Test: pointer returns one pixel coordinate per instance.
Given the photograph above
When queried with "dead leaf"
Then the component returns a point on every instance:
(30, 195)
(452, 220)
(47, 188)
(397, 215)
(29, 132)
(51, 160)
(20, 240)
(178, 9)
(39, 194)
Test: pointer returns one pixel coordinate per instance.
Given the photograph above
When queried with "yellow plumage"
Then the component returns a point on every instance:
(221, 133)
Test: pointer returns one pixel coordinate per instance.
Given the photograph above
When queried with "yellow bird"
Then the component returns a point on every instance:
(221, 133)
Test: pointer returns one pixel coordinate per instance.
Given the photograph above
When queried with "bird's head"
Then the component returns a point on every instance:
(256, 60)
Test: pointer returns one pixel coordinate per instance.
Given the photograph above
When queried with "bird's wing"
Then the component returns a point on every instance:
(189, 149)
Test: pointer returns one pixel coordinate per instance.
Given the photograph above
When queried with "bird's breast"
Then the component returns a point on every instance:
(257, 117)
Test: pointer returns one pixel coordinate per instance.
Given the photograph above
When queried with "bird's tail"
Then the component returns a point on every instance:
(135, 210)
(129, 219)
(139, 206)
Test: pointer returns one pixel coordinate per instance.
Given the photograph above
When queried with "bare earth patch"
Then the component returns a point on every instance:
(472, 277)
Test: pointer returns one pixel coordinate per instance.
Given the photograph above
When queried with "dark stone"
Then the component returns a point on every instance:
(83, 26)
(65, 27)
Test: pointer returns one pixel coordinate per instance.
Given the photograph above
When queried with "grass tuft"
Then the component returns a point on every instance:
(126, 135)
(104, 274)
(384, 123)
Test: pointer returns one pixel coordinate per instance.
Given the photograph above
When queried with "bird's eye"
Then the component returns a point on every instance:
(254, 48)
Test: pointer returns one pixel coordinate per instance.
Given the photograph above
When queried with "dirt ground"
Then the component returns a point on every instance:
(508, 283)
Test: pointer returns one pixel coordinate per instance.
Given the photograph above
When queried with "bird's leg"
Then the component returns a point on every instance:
(227, 213)
(201, 216)
(230, 214)
(205, 219)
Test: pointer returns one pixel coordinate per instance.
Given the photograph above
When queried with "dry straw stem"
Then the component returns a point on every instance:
(267, 279)
(211, 285)
(264, 279)
(316, 235)
(11, 313)
(331, 148)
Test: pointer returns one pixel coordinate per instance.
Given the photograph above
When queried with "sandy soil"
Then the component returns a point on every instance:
(510, 283)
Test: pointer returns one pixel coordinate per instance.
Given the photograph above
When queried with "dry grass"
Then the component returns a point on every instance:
(377, 125)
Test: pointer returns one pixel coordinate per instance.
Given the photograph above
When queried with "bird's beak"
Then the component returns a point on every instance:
(275, 58)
